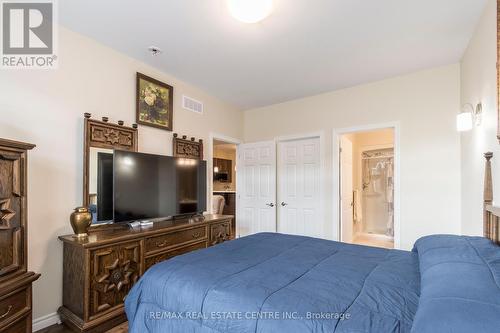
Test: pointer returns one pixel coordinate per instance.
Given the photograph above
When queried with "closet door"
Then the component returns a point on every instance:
(256, 188)
(299, 188)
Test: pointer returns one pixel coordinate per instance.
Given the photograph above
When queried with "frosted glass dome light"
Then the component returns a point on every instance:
(464, 122)
(250, 11)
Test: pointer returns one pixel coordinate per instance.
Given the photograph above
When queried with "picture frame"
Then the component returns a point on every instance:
(154, 102)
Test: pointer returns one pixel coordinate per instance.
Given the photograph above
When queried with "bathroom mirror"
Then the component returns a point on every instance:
(101, 138)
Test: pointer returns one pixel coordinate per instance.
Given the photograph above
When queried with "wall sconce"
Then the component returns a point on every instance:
(469, 117)
(216, 169)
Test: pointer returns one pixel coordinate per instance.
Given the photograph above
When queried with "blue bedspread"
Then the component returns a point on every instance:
(278, 283)
(460, 285)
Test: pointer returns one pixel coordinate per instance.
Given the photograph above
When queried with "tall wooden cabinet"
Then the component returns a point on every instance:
(15, 280)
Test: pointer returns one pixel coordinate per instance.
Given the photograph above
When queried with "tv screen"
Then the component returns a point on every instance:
(150, 186)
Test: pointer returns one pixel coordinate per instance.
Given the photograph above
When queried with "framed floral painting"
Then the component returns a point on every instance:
(155, 101)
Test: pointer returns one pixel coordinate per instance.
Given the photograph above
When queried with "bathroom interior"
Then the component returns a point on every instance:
(367, 188)
(224, 179)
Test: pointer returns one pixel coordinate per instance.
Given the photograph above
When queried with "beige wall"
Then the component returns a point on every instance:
(46, 107)
(425, 105)
(227, 152)
(479, 84)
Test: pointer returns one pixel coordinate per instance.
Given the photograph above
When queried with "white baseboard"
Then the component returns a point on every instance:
(46, 321)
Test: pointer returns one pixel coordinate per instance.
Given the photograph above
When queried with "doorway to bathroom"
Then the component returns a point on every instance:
(367, 179)
(223, 173)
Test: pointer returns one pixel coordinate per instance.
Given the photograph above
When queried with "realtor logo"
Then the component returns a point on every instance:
(28, 34)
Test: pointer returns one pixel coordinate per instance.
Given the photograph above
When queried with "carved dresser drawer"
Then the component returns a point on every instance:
(220, 232)
(153, 260)
(21, 326)
(113, 270)
(160, 243)
(13, 306)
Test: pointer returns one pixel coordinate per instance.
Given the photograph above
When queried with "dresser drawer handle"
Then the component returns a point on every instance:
(6, 313)
(196, 234)
(162, 244)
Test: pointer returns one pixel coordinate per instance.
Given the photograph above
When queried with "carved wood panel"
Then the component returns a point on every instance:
(114, 270)
(11, 219)
(187, 148)
(111, 136)
(220, 232)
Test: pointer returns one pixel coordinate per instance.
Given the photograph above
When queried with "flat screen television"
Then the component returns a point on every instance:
(148, 187)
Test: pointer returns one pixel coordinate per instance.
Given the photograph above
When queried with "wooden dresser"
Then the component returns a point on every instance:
(15, 280)
(100, 270)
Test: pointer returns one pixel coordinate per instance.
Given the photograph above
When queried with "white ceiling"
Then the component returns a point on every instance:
(304, 47)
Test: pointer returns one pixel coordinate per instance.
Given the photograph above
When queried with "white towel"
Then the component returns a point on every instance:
(389, 194)
(358, 209)
(390, 170)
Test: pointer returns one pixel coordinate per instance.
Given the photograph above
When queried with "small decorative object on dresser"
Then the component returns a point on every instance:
(15, 280)
(81, 219)
(98, 271)
(155, 103)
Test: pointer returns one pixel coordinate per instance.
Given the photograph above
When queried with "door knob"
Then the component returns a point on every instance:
(284, 204)
(270, 204)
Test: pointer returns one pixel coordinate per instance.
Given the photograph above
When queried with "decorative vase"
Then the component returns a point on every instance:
(81, 219)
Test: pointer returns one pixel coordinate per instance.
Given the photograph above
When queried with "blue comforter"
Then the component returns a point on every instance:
(460, 279)
(280, 283)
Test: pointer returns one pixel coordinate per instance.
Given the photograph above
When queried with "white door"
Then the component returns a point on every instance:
(256, 188)
(346, 196)
(299, 188)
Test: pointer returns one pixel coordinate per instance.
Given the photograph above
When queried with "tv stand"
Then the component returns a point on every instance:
(99, 271)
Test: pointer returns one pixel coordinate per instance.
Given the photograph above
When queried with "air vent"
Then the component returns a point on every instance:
(191, 104)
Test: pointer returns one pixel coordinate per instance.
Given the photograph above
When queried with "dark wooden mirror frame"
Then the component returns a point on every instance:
(102, 134)
(182, 147)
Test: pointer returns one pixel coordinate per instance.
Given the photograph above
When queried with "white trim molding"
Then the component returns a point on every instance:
(337, 133)
(46, 321)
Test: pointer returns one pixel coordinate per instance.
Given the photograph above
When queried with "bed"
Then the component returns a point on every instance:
(271, 282)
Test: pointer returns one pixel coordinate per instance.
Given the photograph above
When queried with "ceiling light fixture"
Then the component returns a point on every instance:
(250, 11)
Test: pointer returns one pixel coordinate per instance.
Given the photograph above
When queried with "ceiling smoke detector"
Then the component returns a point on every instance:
(154, 50)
